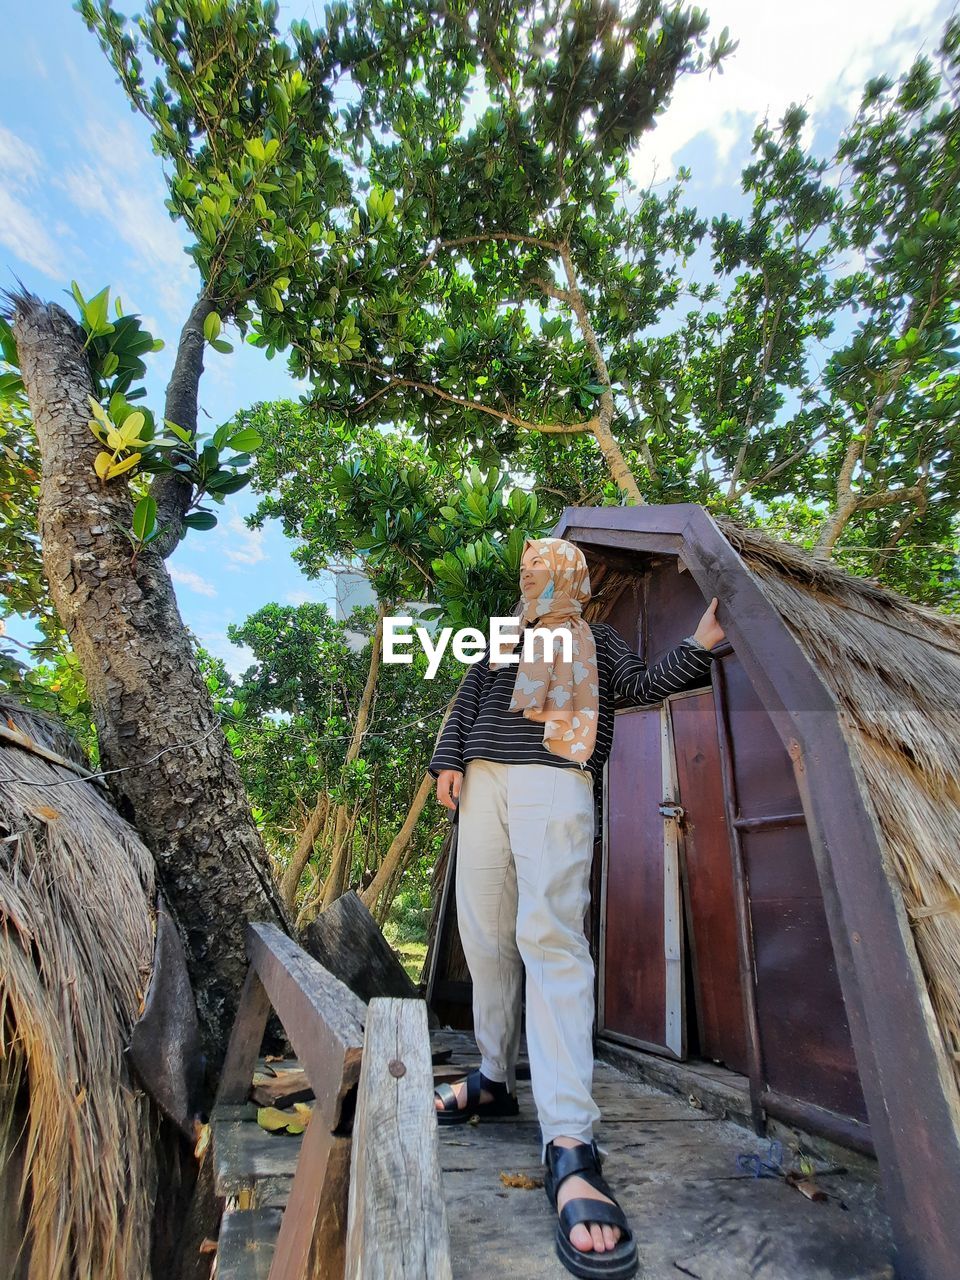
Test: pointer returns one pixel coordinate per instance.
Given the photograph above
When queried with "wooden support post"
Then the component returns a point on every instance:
(397, 1220)
(324, 1021)
(313, 1230)
(246, 1036)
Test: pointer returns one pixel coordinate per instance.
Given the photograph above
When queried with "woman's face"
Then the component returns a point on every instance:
(534, 573)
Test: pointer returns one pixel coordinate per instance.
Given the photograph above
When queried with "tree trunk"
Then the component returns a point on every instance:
(179, 784)
(172, 493)
(338, 881)
(397, 848)
(602, 425)
(301, 855)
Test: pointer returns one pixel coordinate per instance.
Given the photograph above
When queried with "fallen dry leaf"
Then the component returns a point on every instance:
(521, 1181)
(273, 1119)
(807, 1187)
(203, 1138)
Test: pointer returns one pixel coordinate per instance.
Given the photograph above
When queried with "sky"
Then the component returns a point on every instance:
(83, 199)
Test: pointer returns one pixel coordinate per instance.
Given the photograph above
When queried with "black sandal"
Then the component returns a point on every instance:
(614, 1264)
(504, 1102)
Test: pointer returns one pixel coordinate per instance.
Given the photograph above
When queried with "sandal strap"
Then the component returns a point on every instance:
(473, 1088)
(566, 1161)
(497, 1087)
(476, 1082)
(585, 1210)
(447, 1096)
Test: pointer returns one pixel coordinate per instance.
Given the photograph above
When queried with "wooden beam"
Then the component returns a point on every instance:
(312, 1231)
(322, 1016)
(350, 944)
(397, 1218)
(324, 1022)
(246, 1037)
(813, 1119)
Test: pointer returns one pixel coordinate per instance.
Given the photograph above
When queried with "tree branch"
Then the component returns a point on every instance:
(547, 428)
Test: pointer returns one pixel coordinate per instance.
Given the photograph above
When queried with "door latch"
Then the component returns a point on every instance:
(671, 810)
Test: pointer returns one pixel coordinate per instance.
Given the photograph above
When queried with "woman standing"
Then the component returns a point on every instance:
(519, 753)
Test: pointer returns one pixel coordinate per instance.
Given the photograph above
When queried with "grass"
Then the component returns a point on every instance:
(406, 929)
(412, 956)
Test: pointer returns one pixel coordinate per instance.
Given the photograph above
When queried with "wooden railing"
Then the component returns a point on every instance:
(366, 1201)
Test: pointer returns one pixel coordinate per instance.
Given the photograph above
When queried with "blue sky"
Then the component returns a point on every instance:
(83, 193)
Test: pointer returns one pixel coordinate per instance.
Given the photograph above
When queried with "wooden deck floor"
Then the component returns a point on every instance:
(674, 1169)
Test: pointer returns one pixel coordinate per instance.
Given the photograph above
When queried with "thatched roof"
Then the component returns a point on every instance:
(76, 951)
(893, 667)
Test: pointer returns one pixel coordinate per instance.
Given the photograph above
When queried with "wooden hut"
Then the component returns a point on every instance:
(96, 1171)
(777, 869)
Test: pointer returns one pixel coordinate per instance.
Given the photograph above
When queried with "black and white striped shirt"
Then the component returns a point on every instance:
(481, 725)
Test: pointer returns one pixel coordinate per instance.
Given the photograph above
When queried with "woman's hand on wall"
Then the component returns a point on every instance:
(449, 782)
(709, 631)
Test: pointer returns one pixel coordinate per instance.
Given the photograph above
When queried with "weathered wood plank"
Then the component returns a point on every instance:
(321, 1016)
(246, 1244)
(282, 1089)
(246, 1037)
(711, 1229)
(312, 1230)
(721, 1092)
(397, 1227)
(350, 944)
(248, 1158)
(636, 1151)
(616, 1105)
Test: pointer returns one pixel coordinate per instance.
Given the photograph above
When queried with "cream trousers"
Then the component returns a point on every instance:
(524, 850)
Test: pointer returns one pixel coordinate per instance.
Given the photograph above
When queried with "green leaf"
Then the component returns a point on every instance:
(200, 520)
(235, 484)
(211, 326)
(144, 518)
(247, 440)
(11, 384)
(179, 432)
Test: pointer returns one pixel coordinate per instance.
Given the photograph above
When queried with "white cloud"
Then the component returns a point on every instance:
(236, 658)
(21, 162)
(245, 545)
(21, 230)
(819, 54)
(116, 178)
(193, 581)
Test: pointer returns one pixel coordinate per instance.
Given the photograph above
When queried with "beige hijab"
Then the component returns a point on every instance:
(563, 696)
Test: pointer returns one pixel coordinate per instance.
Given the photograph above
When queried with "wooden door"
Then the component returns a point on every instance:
(641, 979)
(805, 1046)
(708, 881)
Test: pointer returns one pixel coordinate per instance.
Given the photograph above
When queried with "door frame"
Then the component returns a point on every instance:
(675, 1012)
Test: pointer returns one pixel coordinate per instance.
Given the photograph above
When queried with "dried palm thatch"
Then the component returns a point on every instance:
(893, 668)
(76, 949)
